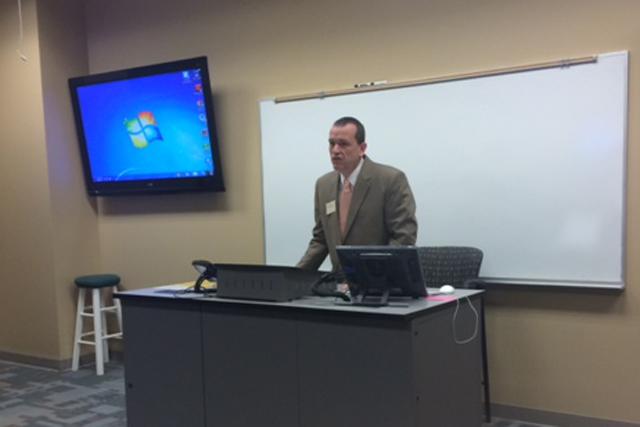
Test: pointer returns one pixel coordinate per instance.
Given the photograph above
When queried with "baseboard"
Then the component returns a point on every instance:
(58, 365)
(554, 418)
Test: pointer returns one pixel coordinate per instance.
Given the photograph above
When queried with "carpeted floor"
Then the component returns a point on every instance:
(37, 397)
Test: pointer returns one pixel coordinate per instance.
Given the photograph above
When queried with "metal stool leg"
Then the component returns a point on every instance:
(78, 333)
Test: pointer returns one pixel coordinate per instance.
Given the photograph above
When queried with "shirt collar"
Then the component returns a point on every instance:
(354, 175)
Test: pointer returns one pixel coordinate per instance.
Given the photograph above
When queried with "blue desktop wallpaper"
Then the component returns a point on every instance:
(143, 128)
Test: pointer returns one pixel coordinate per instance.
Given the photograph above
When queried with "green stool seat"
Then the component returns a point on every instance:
(98, 281)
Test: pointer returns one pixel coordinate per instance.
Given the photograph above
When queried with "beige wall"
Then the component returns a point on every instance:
(48, 226)
(554, 350)
(28, 319)
(75, 242)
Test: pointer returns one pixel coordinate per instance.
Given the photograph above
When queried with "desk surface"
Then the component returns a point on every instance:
(398, 307)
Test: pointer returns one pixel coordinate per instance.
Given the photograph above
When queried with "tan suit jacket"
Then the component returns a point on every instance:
(382, 212)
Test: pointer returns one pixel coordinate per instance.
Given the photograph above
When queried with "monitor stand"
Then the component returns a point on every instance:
(373, 301)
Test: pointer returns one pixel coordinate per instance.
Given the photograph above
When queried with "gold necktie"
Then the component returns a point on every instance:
(345, 202)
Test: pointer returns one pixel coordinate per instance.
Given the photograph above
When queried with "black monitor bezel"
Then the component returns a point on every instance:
(356, 274)
(150, 186)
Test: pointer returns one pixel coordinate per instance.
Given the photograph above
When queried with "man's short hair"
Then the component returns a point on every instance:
(343, 121)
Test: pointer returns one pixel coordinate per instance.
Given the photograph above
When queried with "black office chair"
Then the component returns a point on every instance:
(459, 267)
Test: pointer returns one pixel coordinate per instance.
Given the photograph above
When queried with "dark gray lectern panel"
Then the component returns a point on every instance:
(446, 371)
(250, 369)
(306, 363)
(355, 373)
(163, 364)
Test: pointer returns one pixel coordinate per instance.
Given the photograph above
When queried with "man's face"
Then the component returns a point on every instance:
(344, 148)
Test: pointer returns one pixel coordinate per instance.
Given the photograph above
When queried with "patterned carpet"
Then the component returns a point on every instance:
(40, 397)
(37, 397)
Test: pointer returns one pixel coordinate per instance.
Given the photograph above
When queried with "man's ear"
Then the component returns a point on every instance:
(363, 149)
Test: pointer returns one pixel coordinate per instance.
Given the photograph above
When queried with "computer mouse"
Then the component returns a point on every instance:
(447, 289)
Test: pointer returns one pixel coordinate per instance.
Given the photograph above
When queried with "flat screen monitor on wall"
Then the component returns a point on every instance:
(148, 129)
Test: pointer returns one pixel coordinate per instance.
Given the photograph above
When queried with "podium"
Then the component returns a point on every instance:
(311, 362)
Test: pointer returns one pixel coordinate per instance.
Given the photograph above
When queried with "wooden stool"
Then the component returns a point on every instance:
(97, 311)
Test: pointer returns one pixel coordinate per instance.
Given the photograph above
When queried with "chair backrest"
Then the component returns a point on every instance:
(457, 266)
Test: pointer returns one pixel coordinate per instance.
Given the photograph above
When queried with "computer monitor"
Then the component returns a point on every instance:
(382, 271)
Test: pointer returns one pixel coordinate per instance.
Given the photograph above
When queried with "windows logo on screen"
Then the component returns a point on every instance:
(143, 129)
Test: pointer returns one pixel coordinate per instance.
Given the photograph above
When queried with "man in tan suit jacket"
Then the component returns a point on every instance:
(382, 208)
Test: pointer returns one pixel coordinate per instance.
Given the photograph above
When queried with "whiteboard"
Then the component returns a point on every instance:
(529, 167)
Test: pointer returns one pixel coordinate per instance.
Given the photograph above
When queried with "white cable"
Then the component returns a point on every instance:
(22, 56)
(453, 323)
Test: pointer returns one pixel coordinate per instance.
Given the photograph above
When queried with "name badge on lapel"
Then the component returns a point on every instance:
(330, 207)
